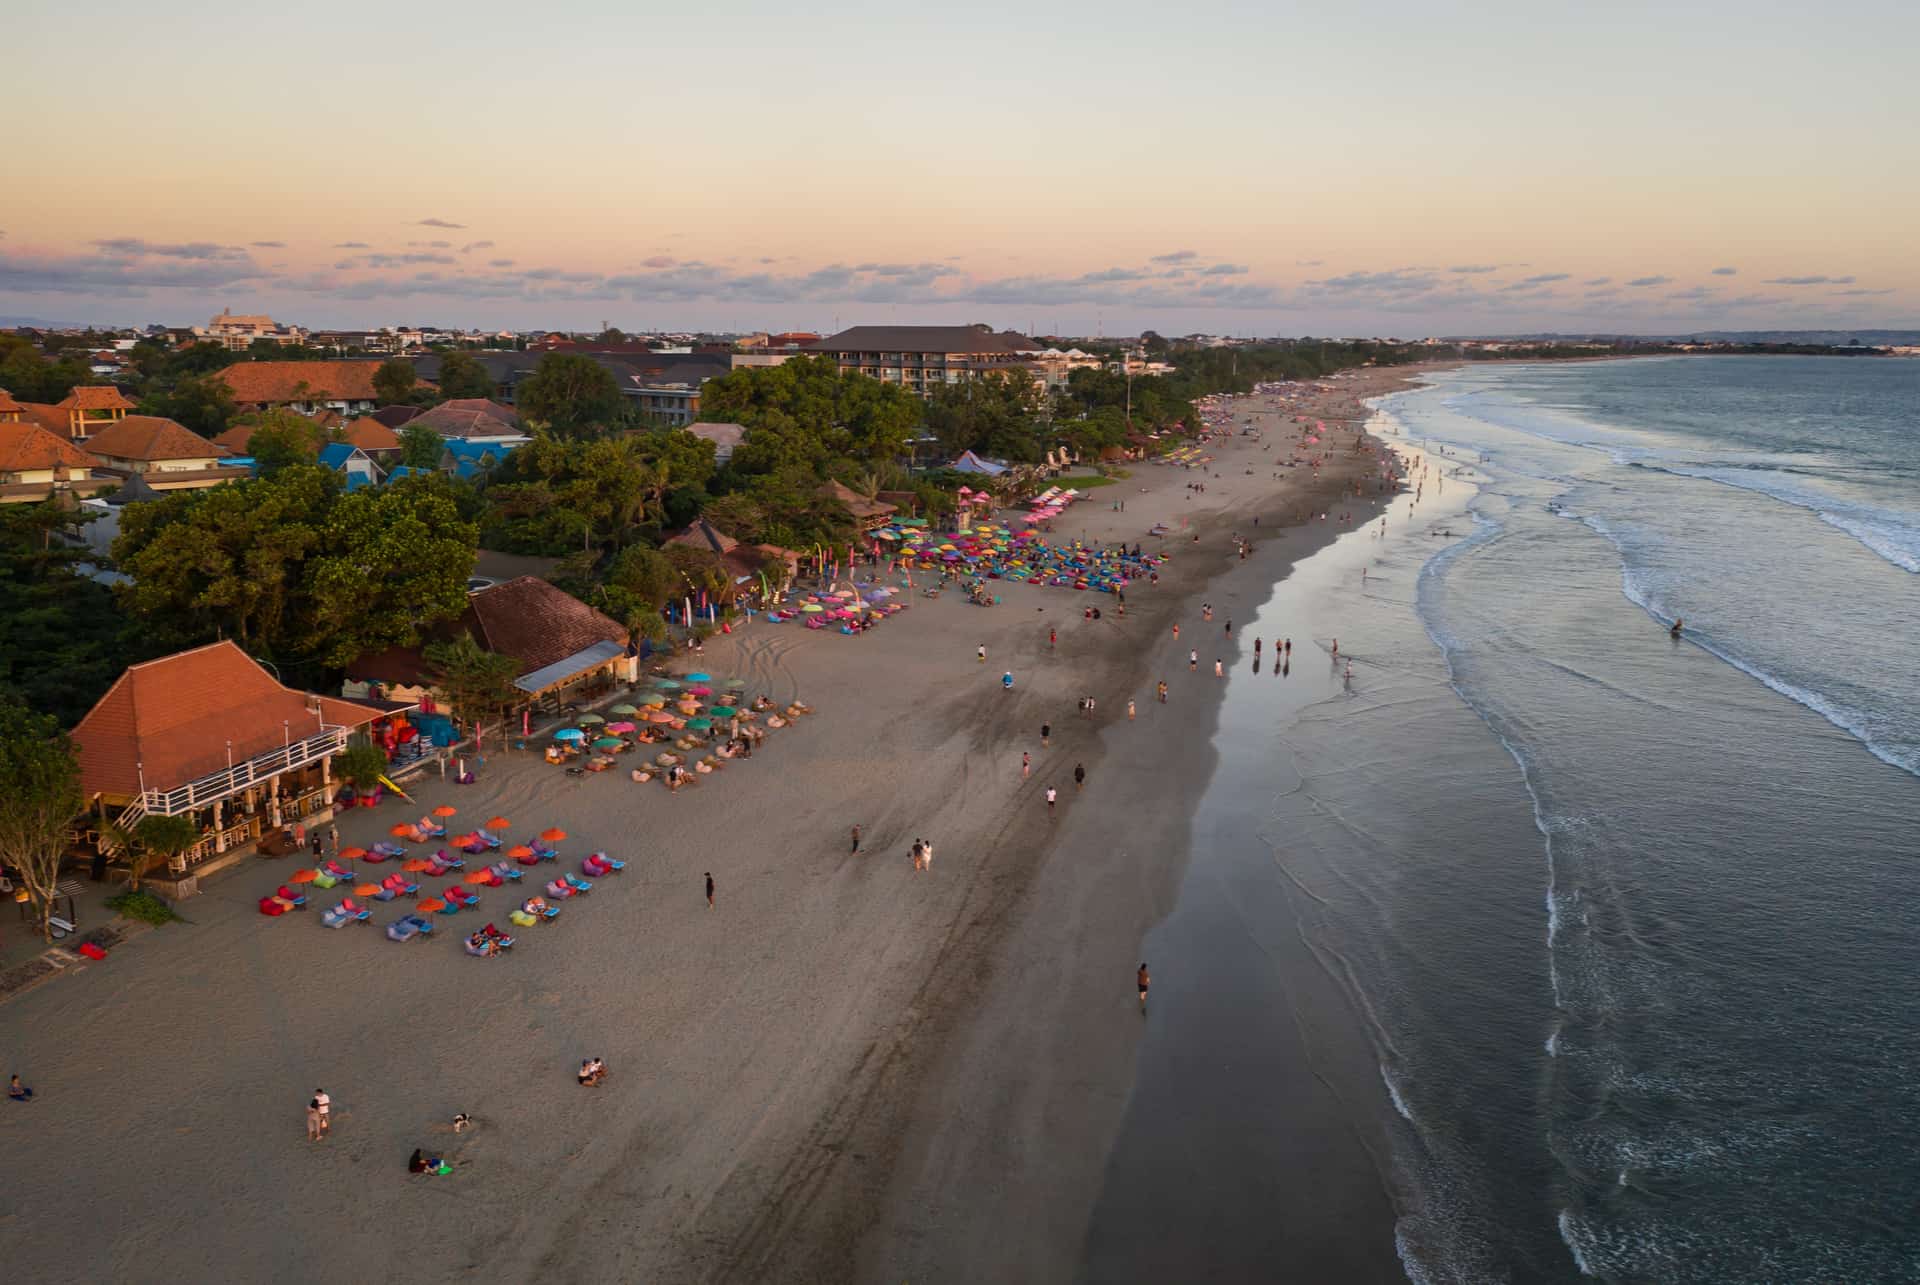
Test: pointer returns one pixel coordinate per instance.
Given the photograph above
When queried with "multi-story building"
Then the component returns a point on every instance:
(921, 358)
(238, 333)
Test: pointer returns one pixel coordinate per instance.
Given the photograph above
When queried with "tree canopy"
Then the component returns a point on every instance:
(60, 644)
(420, 446)
(292, 567)
(556, 495)
(394, 380)
(807, 411)
(39, 799)
(572, 394)
(464, 375)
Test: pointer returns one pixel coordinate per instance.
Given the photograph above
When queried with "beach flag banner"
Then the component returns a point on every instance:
(396, 789)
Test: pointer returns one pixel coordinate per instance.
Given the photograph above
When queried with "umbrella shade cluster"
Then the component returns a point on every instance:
(994, 554)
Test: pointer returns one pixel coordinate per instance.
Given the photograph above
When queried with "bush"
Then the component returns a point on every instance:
(144, 906)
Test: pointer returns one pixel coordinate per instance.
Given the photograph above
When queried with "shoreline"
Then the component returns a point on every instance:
(820, 1078)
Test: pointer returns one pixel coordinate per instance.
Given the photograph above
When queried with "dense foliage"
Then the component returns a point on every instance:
(60, 633)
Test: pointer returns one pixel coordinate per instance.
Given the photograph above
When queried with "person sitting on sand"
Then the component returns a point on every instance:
(18, 1091)
(534, 906)
(592, 1071)
(421, 1162)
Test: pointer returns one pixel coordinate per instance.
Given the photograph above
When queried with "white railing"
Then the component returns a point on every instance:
(260, 768)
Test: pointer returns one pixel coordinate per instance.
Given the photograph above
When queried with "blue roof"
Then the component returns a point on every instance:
(336, 454)
(461, 449)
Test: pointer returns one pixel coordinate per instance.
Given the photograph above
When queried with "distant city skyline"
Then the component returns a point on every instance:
(1224, 168)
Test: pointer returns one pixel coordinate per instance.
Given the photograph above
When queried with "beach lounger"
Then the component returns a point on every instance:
(402, 930)
(337, 870)
(539, 912)
(576, 883)
(297, 900)
(336, 917)
(465, 896)
(385, 849)
(445, 858)
(324, 880)
(273, 907)
(521, 919)
(402, 885)
(560, 889)
(359, 912)
(507, 872)
(545, 851)
(497, 937)
(449, 906)
(482, 952)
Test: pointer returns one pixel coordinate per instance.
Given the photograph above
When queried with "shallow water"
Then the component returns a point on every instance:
(1623, 920)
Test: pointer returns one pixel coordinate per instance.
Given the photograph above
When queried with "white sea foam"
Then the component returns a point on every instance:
(1393, 1091)
(1569, 1234)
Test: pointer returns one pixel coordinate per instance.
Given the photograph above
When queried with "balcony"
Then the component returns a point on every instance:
(241, 776)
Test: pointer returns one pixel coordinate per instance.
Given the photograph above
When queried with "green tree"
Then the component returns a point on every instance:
(464, 375)
(393, 382)
(808, 409)
(201, 403)
(165, 837)
(420, 447)
(478, 683)
(282, 437)
(39, 800)
(388, 562)
(32, 378)
(573, 394)
(60, 633)
(360, 766)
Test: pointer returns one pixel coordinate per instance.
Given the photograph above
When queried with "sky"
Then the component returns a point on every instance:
(1399, 168)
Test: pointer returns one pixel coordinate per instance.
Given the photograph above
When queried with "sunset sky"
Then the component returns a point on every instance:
(1397, 168)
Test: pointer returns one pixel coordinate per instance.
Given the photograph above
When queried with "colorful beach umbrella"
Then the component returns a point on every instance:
(724, 711)
(445, 811)
(735, 682)
(478, 877)
(415, 865)
(352, 854)
(519, 851)
(699, 724)
(569, 734)
(654, 702)
(590, 719)
(499, 823)
(431, 904)
(625, 709)
(608, 743)
(666, 684)
(553, 834)
(660, 716)
(699, 678)
(366, 889)
(304, 876)
(622, 726)
(401, 830)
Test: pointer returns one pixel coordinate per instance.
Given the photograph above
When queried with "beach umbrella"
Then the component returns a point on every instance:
(812, 607)
(724, 711)
(590, 718)
(625, 709)
(660, 716)
(366, 889)
(654, 702)
(553, 834)
(401, 830)
(699, 724)
(478, 876)
(666, 684)
(352, 854)
(445, 811)
(415, 865)
(431, 904)
(621, 726)
(569, 734)
(304, 876)
(608, 743)
(701, 691)
(735, 682)
(519, 851)
(499, 823)
(699, 678)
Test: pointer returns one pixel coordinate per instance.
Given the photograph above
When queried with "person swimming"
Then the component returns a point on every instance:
(1675, 631)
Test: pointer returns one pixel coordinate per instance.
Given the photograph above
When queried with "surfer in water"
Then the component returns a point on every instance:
(1675, 631)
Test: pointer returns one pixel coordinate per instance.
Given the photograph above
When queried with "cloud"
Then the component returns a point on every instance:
(1693, 294)
(1475, 269)
(133, 245)
(660, 261)
(391, 261)
(1726, 272)
(499, 263)
(121, 275)
(1598, 281)
(1641, 282)
(1608, 293)
(439, 223)
(471, 246)
(1859, 294)
(1178, 256)
(430, 245)
(1545, 277)
(1398, 281)
(1226, 270)
(1754, 301)
(268, 245)
(351, 245)
(1309, 263)
(1808, 281)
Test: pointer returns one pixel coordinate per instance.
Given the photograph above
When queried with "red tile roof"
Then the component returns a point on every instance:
(170, 720)
(369, 434)
(470, 417)
(95, 397)
(537, 624)
(269, 382)
(8, 406)
(51, 418)
(149, 437)
(25, 447)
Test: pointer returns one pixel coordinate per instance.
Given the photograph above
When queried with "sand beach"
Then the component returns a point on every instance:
(845, 1069)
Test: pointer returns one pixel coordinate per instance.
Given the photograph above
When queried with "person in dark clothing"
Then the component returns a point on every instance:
(709, 890)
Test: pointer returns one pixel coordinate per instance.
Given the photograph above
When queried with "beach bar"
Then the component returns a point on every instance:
(211, 735)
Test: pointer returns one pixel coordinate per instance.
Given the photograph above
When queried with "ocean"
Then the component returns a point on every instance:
(1597, 945)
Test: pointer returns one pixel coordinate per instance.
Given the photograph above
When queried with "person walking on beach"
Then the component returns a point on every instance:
(1053, 638)
(1129, 709)
(1026, 765)
(1161, 691)
(1289, 648)
(916, 855)
(333, 839)
(1046, 731)
(1218, 670)
(1176, 633)
(981, 652)
(709, 890)
(1144, 979)
(1079, 776)
(324, 1105)
(856, 841)
(1193, 660)
(1052, 796)
(313, 1119)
